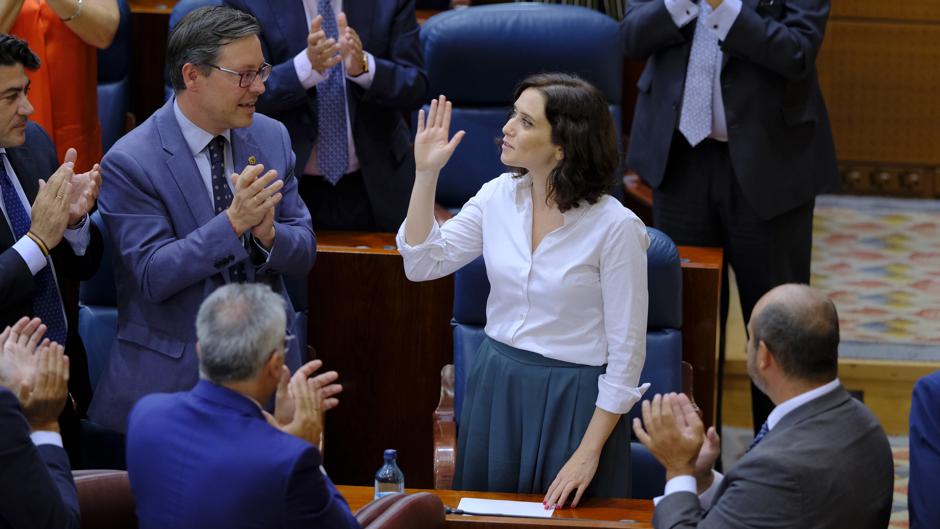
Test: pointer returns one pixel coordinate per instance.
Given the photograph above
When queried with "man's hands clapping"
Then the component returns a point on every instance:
(36, 370)
(300, 401)
(254, 201)
(325, 53)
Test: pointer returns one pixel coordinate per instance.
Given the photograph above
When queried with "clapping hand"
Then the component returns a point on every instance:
(36, 370)
(84, 191)
(300, 401)
(350, 48)
(673, 432)
(432, 148)
(323, 52)
(254, 196)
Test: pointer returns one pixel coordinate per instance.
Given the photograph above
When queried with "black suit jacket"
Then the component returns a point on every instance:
(38, 491)
(779, 136)
(33, 160)
(389, 31)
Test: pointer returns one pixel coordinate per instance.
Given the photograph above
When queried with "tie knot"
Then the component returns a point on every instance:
(217, 144)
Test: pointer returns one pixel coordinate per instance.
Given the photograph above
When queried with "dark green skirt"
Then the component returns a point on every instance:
(523, 416)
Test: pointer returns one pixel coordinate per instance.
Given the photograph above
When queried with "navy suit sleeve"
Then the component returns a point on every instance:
(925, 454)
(647, 27)
(400, 80)
(79, 267)
(312, 500)
(38, 491)
(788, 45)
(16, 281)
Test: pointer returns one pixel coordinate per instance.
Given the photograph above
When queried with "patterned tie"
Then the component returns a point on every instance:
(47, 305)
(757, 438)
(332, 150)
(695, 121)
(222, 195)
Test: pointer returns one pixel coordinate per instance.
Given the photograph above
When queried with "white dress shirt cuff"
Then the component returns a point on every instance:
(720, 20)
(79, 238)
(616, 398)
(46, 438)
(677, 484)
(433, 244)
(365, 80)
(307, 76)
(706, 497)
(31, 253)
(682, 11)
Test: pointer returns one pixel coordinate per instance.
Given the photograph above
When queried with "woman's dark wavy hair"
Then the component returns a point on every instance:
(582, 127)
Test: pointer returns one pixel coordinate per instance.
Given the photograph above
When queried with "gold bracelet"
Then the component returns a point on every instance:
(39, 242)
(81, 5)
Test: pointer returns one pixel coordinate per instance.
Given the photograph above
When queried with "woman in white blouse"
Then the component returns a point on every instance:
(566, 314)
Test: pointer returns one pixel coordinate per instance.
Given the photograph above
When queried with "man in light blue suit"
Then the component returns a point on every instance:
(201, 194)
(211, 457)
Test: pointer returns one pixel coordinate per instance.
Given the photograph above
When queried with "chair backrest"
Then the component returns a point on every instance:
(662, 368)
(104, 499)
(476, 57)
(97, 313)
(114, 68)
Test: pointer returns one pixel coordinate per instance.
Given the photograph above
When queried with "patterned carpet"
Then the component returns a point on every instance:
(879, 260)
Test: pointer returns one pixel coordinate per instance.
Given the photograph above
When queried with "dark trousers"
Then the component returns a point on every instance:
(344, 206)
(700, 203)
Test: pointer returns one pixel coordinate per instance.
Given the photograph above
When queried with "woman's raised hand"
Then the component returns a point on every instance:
(432, 148)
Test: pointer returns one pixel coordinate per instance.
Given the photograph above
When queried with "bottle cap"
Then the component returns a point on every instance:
(391, 453)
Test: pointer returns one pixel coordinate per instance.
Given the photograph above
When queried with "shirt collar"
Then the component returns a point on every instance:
(196, 138)
(787, 406)
(524, 197)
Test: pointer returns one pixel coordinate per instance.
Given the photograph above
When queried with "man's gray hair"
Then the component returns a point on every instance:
(238, 327)
(197, 38)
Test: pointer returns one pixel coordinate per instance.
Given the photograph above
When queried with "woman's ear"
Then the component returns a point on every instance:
(559, 153)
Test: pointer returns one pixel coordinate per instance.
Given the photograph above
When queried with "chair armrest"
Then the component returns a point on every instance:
(421, 510)
(445, 432)
(104, 499)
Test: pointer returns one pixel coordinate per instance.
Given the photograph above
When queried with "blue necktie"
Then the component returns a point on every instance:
(47, 305)
(695, 120)
(222, 195)
(760, 435)
(332, 150)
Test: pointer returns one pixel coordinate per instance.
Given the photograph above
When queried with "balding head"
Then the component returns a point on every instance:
(800, 326)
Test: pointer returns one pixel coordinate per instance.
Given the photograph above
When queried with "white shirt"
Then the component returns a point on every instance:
(309, 78)
(688, 484)
(581, 297)
(719, 22)
(78, 239)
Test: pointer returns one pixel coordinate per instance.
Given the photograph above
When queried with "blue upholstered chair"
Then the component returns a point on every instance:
(476, 57)
(663, 368)
(114, 86)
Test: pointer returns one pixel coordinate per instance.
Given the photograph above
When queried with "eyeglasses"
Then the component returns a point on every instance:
(246, 78)
(288, 338)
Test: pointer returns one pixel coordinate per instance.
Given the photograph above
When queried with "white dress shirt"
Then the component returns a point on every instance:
(309, 78)
(78, 238)
(581, 297)
(719, 22)
(688, 483)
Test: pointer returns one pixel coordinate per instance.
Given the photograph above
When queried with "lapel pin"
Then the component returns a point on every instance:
(252, 160)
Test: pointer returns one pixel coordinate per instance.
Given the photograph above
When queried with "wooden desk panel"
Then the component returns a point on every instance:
(389, 339)
(594, 512)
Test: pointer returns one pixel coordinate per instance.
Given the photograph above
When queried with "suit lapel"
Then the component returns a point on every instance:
(22, 163)
(290, 18)
(182, 166)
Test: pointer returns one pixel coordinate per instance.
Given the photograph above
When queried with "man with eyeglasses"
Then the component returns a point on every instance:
(344, 72)
(200, 195)
(212, 457)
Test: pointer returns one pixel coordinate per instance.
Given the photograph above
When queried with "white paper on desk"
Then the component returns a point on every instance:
(530, 509)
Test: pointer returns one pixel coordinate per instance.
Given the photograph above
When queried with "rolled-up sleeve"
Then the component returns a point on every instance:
(626, 300)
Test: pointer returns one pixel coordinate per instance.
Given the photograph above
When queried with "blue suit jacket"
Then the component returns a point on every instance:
(389, 32)
(171, 251)
(38, 491)
(207, 458)
(925, 454)
(779, 136)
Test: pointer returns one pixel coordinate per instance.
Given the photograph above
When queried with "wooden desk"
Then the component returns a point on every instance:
(596, 513)
(389, 339)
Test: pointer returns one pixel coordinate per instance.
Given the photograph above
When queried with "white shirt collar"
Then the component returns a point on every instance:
(787, 406)
(196, 138)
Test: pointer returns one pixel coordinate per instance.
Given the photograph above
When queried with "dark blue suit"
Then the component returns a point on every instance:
(754, 195)
(207, 458)
(171, 250)
(388, 30)
(925, 454)
(38, 491)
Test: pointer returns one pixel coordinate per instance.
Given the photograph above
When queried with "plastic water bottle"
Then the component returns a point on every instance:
(389, 479)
